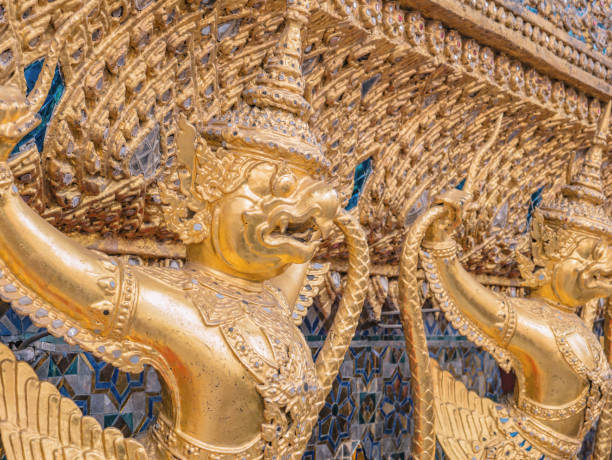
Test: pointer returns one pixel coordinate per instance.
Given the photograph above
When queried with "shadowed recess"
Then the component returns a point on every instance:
(534, 202)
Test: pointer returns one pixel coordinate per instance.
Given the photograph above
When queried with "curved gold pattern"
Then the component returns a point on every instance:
(244, 197)
(252, 207)
(482, 429)
(423, 442)
(347, 316)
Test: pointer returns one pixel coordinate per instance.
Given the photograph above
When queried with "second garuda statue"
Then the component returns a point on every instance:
(563, 376)
(252, 205)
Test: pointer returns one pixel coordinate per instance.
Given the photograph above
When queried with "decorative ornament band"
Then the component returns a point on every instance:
(171, 441)
(128, 298)
(508, 319)
(545, 439)
(452, 313)
(554, 413)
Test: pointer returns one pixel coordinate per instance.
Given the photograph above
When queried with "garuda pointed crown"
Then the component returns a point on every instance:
(578, 209)
(271, 119)
(579, 205)
(268, 123)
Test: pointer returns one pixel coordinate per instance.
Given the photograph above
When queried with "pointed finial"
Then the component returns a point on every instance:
(587, 183)
(281, 85)
(601, 135)
(271, 118)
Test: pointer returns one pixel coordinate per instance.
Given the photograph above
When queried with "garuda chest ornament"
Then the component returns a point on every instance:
(247, 193)
(282, 366)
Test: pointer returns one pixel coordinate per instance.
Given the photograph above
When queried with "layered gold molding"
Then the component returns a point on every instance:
(528, 37)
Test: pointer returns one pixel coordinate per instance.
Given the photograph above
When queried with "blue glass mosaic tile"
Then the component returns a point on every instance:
(337, 414)
(396, 407)
(367, 362)
(362, 172)
(367, 416)
(18, 327)
(46, 111)
(534, 202)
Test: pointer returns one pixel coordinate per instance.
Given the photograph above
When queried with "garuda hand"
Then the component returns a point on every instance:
(456, 202)
(17, 118)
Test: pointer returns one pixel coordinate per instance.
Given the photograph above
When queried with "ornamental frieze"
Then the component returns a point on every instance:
(305, 229)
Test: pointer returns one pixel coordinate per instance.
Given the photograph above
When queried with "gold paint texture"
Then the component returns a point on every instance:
(218, 143)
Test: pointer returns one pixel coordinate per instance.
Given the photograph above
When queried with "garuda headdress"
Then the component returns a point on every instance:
(579, 205)
(577, 210)
(271, 119)
(268, 123)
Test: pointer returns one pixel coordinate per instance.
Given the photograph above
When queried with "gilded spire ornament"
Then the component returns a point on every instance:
(579, 206)
(272, 117)
(172, 173)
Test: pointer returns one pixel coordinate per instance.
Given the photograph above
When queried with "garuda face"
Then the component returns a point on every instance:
(244, 213)
(277, 217)
(585, 273)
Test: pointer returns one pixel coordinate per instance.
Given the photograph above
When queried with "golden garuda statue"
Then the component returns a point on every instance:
(250, 198)
(563, 378)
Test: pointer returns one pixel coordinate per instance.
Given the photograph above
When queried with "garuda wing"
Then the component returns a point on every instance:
(36, 422)
(471, 427)
(462, 418)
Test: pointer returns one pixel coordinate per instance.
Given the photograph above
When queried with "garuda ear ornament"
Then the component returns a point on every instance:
(532, 276)
(546, 245)
(200, 180)
(185, 215)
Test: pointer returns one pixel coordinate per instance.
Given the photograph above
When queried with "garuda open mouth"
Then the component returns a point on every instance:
(304, 232)
(293, 230)
(599, 278)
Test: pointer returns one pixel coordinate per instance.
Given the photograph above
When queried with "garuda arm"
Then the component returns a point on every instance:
(75, 293)
(434, 227)
(70, 279)
(471, 308)
(483, 316)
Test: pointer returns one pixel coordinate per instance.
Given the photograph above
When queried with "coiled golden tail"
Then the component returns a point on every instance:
(424, 438)
(345, 322)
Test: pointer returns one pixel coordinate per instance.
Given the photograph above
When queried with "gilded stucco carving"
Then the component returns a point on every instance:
(215, 137)
(539, 337)
(249, 201)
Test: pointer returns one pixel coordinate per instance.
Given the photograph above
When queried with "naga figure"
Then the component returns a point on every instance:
(251, 203)
(562, 374)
